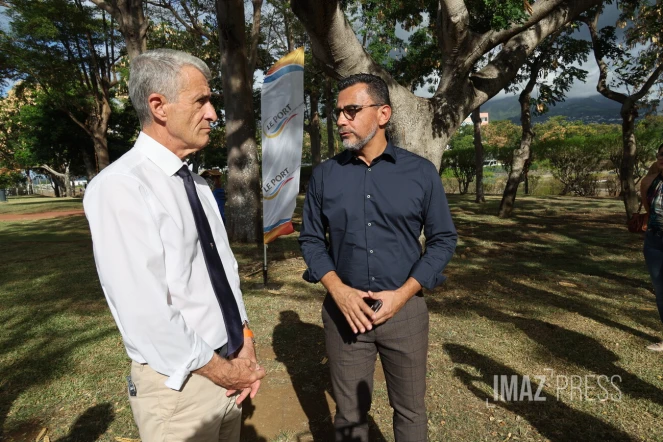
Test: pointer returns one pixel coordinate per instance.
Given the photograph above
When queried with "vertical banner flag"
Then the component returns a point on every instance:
(282, 106)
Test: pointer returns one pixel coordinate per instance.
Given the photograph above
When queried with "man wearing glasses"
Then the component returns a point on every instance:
(364, 211)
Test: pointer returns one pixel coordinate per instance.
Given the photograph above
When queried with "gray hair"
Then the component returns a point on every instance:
(158, 71)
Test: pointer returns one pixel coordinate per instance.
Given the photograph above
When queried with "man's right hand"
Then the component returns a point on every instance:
(234, 374)
(351, 303)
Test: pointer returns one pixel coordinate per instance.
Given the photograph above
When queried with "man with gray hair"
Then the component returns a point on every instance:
(165, 264)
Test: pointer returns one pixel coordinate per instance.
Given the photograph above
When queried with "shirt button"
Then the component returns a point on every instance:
(369, 169)
(369, 224)
(368, 196)
(371, 251)
(372, 278)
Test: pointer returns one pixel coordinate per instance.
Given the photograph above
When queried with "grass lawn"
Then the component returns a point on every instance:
(38, 204)
(560, 290)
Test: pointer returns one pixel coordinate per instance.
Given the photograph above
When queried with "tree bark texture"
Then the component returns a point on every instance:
(521, 156)
(243, 203)
(130, 18)
(329, 106)
(422, 125)
(314, 130)
(629, 189)
(478, 155)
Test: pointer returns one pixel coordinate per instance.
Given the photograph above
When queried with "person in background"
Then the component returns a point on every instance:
(651, 191)
(217, 190)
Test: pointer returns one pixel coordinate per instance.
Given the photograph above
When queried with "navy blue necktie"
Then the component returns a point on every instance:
(217, 274)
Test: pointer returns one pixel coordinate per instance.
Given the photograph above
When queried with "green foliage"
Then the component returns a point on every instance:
(573, 153)
(459, 159)
(500, 139)
(11, 179)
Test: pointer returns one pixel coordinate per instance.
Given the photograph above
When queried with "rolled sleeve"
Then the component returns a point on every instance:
(129, 256)
(440, 233)
(312, 239)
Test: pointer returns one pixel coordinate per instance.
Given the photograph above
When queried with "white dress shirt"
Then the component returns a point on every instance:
(150, 264)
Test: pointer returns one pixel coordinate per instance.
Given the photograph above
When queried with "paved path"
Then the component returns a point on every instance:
(39, 215)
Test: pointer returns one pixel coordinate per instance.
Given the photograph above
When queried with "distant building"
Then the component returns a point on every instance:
(484, 119)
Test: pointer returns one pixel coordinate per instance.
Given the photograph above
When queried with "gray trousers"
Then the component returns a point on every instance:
(402, 343)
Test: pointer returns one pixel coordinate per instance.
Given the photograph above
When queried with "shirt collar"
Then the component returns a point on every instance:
(389, 153)
(158, 154)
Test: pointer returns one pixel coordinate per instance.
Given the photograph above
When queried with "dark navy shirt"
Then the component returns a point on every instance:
(364, 221)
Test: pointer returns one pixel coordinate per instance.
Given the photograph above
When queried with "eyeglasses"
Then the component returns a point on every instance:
(350, 111)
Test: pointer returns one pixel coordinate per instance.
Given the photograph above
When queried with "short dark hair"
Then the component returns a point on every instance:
(659, 148)
(377, 88)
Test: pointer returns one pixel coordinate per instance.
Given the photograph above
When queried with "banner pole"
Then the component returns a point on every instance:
(264, 267)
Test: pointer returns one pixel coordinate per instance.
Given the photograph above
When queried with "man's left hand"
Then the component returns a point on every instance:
(392, 302)
(247, 351)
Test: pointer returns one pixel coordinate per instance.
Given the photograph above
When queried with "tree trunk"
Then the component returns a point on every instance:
(90, 165)
(629, 191)
(243, 204)
(478, 155)
(329, 106)
(195, 162)
(521, 156)
(101, 150)
(68, 188)
(314, 133)
(31, 189)
(56, 187)
(131, 21)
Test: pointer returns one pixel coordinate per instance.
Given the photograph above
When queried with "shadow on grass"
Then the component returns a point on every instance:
(546, 243)
(578, 349)
(47, 299)
(300, 346)
(555, 420)
(91, 425)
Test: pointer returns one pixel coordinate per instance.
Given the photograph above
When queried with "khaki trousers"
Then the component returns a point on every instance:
(200, 412)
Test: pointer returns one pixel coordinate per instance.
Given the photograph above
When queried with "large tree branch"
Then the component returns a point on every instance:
(79, 122)
(191, 26)
(101, 4)
(255, 36)
(504, 67)
(602, 84)
(52, 171)
(453, 22)
(333, 40)
(644, 90)
(543, 13)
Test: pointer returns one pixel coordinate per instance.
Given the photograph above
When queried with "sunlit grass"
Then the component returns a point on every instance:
(560, 286)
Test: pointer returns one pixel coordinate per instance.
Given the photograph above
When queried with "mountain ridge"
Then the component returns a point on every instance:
(590, 109)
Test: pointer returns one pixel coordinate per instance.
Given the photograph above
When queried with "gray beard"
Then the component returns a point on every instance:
(361, 142)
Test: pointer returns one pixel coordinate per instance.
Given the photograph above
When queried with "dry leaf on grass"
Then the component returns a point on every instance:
(42, 433)
(567, 284)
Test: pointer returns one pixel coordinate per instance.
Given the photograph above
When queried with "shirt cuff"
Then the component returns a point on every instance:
(198, 358)
(315, 275)
(426, 276)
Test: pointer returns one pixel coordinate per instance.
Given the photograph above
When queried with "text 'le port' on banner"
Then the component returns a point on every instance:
(282, 106)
